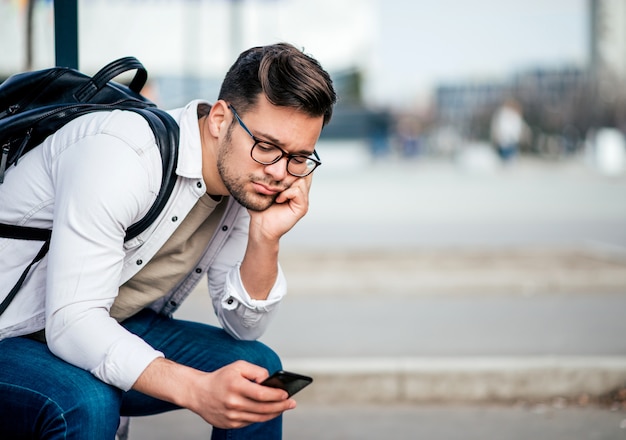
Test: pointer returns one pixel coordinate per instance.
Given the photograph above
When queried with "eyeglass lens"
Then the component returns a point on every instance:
(268, 154)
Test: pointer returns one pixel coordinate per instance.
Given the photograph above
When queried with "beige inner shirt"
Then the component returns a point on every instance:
(173, 261)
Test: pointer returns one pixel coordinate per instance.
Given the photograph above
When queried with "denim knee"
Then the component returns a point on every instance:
(81, 413)
(260, 354)
(42, 396)
(94, 410)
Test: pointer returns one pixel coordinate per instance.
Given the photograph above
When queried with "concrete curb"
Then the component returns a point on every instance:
(475, 379)
(528, 271)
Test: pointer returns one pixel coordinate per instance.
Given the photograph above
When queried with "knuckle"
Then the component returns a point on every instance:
(232, 404)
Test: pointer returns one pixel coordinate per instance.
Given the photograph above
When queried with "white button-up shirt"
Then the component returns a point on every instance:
(92, 179)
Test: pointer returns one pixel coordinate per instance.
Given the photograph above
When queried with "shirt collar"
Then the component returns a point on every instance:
(190, 146)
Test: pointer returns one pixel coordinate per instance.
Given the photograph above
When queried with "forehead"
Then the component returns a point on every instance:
(289, 128)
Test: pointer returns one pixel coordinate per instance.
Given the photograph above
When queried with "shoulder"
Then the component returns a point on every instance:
(109, 131)
(108, 150)
(125, 125)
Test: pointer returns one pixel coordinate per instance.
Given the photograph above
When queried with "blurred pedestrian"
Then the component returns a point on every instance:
(507, 129)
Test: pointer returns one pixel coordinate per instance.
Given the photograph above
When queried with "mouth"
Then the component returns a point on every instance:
(266, 190)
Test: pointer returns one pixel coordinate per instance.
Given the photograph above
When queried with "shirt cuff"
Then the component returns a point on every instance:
(125, 362)
(235, 293)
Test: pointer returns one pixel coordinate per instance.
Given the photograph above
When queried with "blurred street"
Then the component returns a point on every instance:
(430, 300)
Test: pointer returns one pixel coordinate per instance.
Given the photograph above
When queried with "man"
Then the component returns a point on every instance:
(111, 345)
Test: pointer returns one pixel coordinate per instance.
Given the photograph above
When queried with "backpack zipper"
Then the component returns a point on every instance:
(3, 161)
(18, 152)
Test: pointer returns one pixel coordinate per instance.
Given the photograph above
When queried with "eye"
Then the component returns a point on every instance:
(265, 147)
(300, 160)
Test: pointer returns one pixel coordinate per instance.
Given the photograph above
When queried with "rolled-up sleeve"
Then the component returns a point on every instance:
(242, 316)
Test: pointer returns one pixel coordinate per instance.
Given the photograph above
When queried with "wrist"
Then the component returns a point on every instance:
(169, 381)
(258, 236)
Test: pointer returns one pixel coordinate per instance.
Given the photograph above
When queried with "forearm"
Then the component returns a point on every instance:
(259, 268)
(169, 381)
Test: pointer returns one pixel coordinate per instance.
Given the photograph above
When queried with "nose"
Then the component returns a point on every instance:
(278, 170)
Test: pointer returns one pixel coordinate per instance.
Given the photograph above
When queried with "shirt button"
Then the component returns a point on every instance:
(139, 262)
(199, 184)
(198, 270)
(224, 228)
(173, 303)
(175, 218)
(230, 301)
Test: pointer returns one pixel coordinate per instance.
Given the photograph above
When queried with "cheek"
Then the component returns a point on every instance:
(234, 155)
(234, 167)
(226, 153)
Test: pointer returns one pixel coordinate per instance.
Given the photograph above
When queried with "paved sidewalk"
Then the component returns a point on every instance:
(508, 270)
(554, 421)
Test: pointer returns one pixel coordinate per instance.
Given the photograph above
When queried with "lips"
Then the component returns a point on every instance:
(263, 189)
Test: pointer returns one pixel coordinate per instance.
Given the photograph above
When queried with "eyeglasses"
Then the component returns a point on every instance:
(265, 153)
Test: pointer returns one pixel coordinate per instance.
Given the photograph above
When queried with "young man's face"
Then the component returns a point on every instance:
(256, 186)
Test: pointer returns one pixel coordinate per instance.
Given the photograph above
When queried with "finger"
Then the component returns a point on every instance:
(250, 386)
(308, 180)
(246, 411)
(257, 392)
(286, 195)
(264, 393)
(266, 408)
(241, 419)
(298, 193)
(251, 371)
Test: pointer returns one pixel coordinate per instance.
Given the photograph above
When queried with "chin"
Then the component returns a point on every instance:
(256, 202)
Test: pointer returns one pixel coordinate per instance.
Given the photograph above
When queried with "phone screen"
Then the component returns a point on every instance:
(290, 382)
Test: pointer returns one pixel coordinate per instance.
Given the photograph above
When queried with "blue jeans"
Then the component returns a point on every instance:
(43, 397)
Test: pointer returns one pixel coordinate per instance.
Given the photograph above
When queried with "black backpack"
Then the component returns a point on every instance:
(34, 105)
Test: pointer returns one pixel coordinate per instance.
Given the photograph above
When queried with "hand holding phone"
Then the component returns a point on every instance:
(290, 382)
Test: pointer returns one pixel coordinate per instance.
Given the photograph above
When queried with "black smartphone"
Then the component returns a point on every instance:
(290, 382)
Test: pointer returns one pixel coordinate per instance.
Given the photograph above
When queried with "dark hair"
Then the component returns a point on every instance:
(285, 75)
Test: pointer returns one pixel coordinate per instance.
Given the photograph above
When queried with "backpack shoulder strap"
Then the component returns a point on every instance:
(166, 133)
(42, 252)
(24, 232)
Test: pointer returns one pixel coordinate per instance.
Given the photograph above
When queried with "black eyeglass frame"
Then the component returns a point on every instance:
(317, 161)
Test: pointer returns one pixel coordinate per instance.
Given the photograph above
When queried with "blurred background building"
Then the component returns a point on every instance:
(414, 77)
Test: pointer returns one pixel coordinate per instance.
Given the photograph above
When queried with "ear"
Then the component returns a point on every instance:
(218, 118)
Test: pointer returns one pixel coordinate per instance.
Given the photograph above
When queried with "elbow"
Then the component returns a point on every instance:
(54, 335)
(244, 329)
